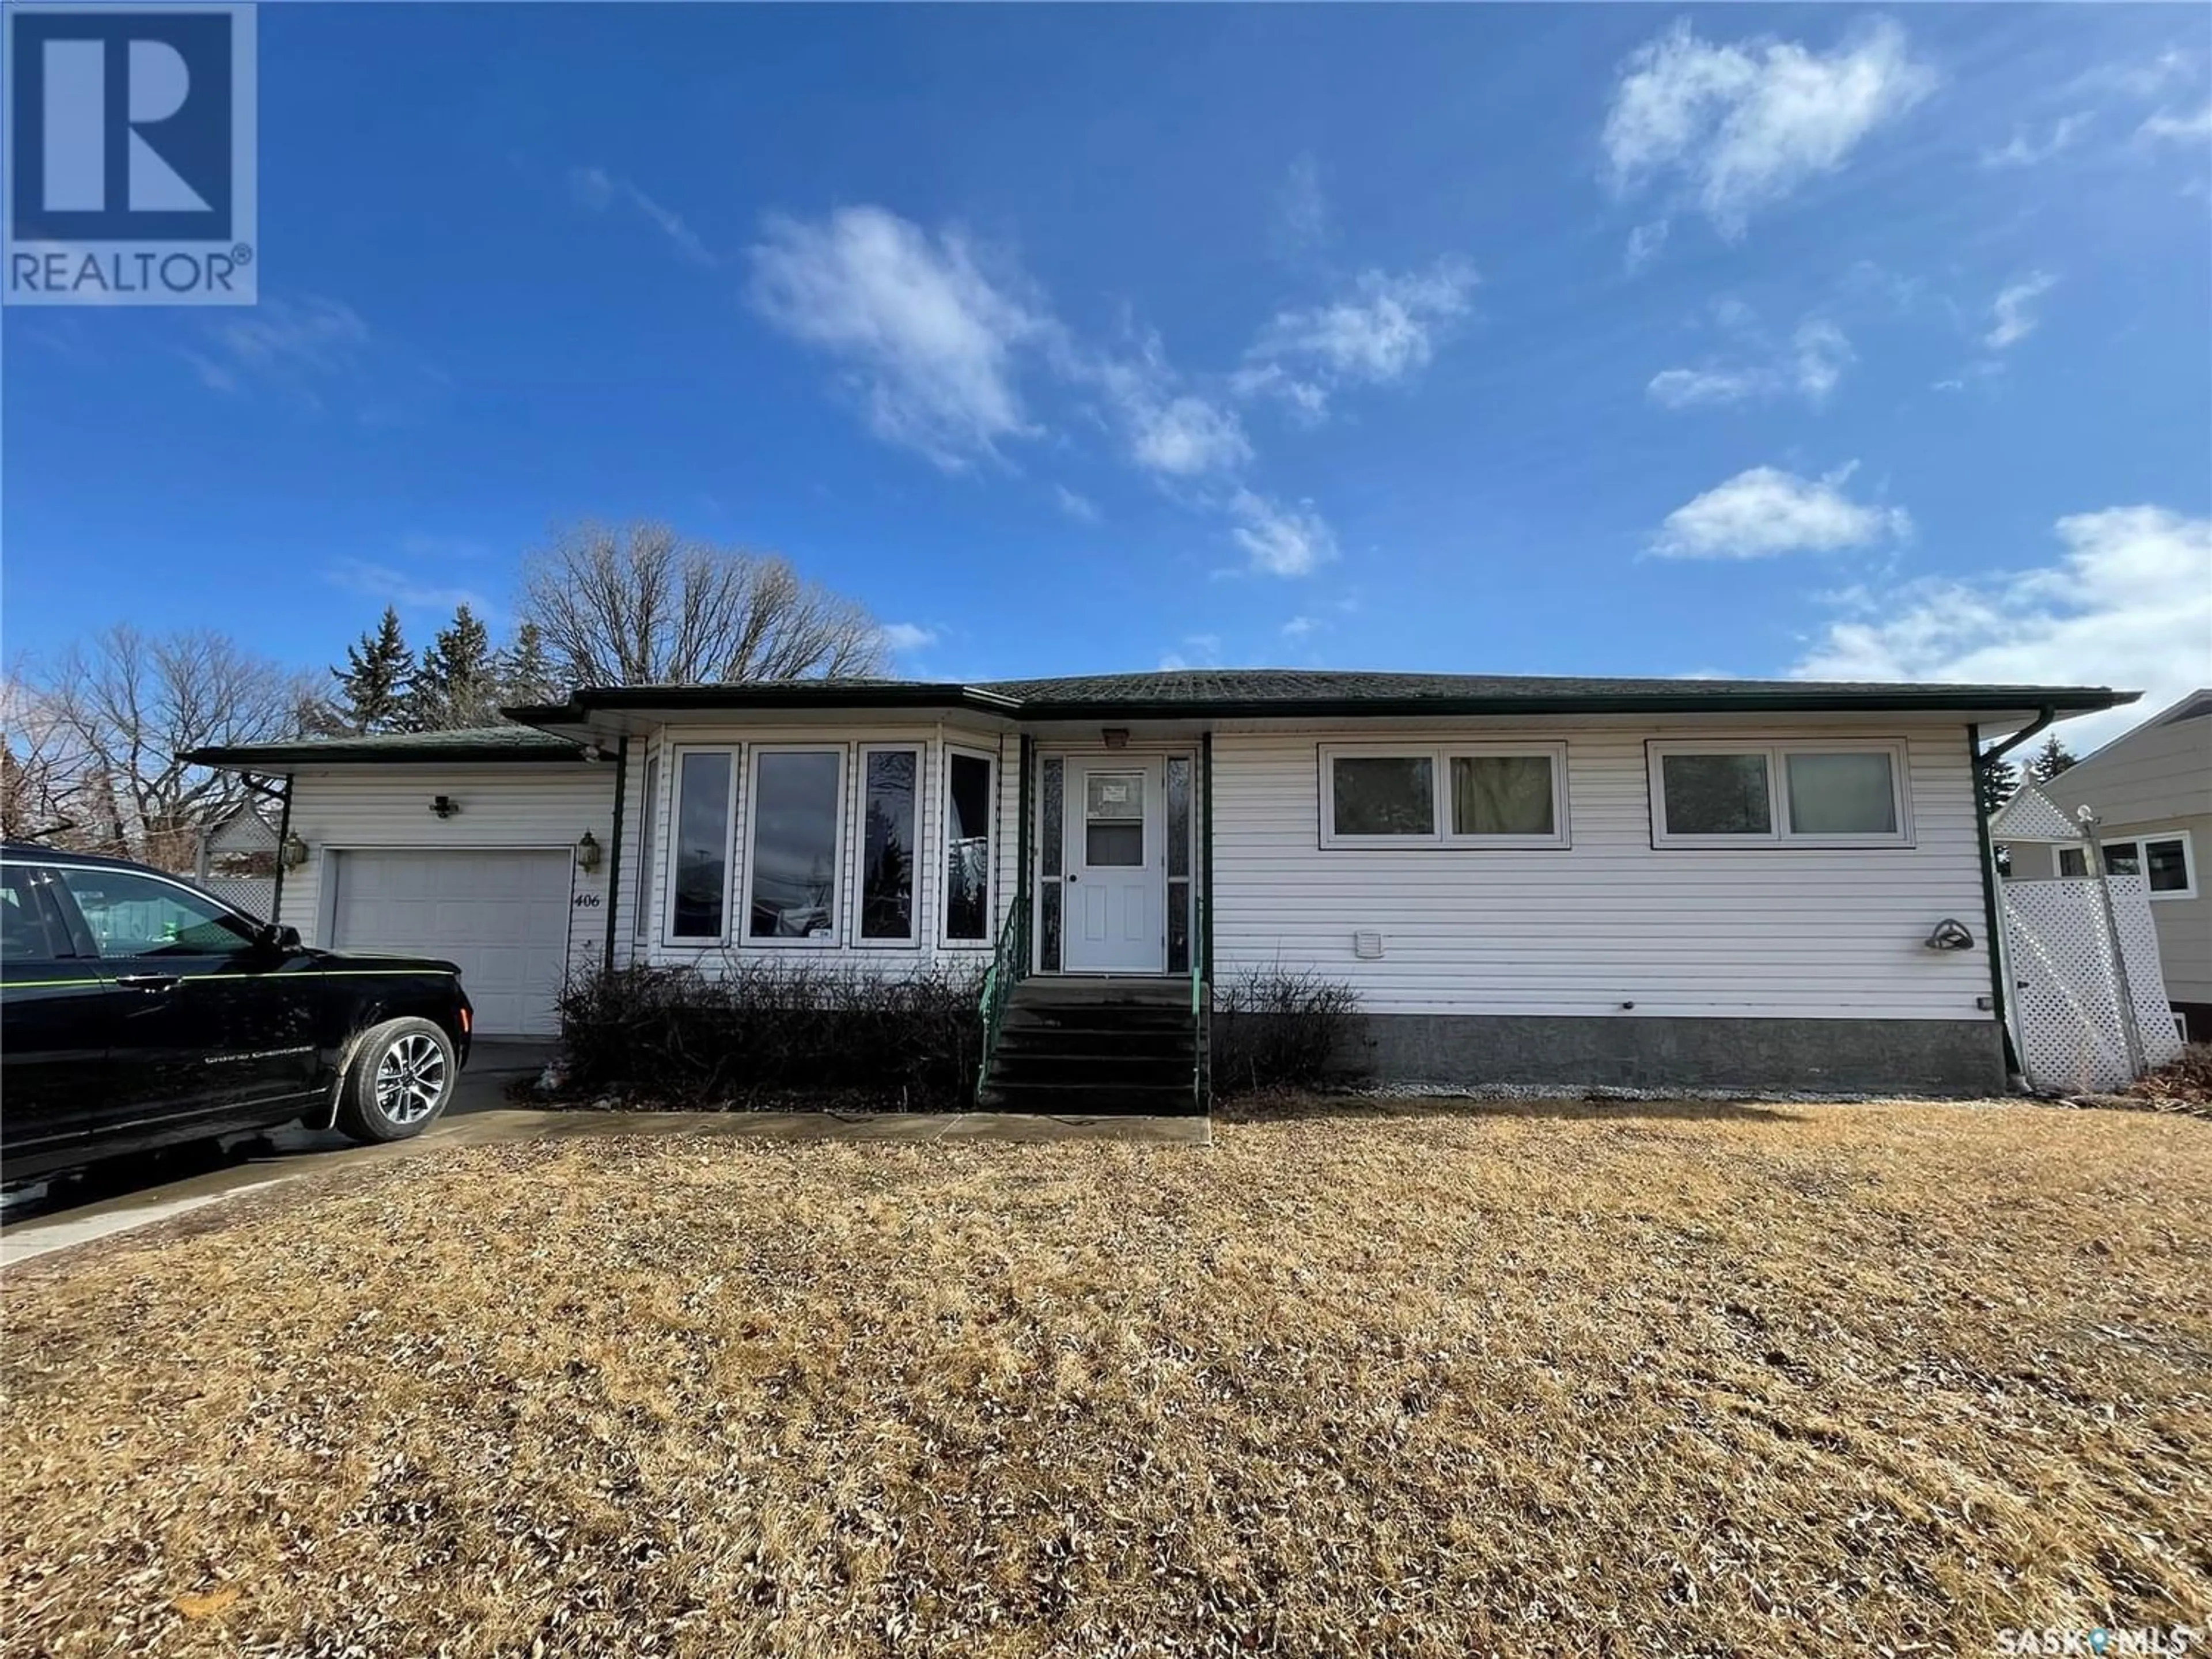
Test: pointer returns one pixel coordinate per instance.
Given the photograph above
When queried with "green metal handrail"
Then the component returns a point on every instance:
(1009, 965)
(1198, 1023)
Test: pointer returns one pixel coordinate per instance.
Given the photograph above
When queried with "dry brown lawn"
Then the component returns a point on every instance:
(1622, 1379)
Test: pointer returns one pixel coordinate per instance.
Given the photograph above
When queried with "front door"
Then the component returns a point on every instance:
(1116, 897)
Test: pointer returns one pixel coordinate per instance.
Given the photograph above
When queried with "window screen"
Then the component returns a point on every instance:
(1383, 795)
(1716, 795)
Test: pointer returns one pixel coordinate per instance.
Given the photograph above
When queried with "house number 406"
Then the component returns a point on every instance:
(585, 901)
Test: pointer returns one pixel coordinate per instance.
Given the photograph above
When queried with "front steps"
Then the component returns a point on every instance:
(1095, 1048)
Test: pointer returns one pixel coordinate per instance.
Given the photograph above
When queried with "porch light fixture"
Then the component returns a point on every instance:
(1950, 934)
(444, 806)
(587, 853)
(294, 852)
(1116, 737)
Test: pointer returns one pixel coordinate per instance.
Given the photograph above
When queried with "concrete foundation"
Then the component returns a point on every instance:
(1845, 1056)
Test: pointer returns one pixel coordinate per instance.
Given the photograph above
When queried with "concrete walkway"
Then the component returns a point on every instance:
(292, 1153)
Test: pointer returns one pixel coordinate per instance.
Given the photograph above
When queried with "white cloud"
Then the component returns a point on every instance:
(283, 343)
(906, 636)
(1280, 541)
(599, 189)
(2024, 150)
(1741, 126)
(1206, 650)
(1810, 366)
(407, 592)
(1301, 207)
(2012, 318)
(1645, 243)
(2183, 127)
(928, 338)
(1765, 512)
(1077, 507)
(1385, 330)
(2128, 603)
(1298, 627)
(1186, 436)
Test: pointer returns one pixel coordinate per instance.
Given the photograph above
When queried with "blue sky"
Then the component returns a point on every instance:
(1574, 339)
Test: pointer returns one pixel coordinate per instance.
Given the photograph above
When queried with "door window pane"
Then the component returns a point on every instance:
(1841, 794)
(641, 924)
(1502, 795)
(1178, 816)
(1387, 795)
(136, 915)
(1716, 795)
(968, 847)
(1050, 832)
(1114, 795)
(2169, 866)
(1114, 845)
(795, 847)
(29, 927)
(887, 846)
(702, 845)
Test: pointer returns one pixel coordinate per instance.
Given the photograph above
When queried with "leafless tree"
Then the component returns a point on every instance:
(125, 708)
(645, 606)
(36, 779)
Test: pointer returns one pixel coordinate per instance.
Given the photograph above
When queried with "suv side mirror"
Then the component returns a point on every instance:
(280, 940)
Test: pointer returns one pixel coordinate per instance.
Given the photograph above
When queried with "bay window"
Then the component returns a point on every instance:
(792, 861)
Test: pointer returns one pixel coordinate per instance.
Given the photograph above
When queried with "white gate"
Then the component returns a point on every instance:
(2066, 994)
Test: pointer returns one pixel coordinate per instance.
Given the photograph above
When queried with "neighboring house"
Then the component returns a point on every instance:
(2152, 793)
(1668, 882)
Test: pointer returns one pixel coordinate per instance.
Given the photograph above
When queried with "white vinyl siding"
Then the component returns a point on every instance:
(1773, 929)
(512, 806)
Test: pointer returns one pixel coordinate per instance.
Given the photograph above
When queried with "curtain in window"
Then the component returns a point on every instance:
(1501, 795)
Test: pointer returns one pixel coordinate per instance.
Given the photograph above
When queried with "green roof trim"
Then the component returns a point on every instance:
(1265, 692)
(1192, 693)
(511, 743)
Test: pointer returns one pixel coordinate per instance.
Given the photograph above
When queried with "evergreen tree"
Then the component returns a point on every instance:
(2000, 779)
(373, 686)
(525, 671)
(456, 683)
(2050, 760)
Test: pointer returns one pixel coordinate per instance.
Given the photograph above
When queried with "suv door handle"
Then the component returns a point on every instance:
(149, 981)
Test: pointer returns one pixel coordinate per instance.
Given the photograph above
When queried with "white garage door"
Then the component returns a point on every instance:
(503, 916)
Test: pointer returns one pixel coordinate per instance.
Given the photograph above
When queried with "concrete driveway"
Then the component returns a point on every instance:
(129, 1192)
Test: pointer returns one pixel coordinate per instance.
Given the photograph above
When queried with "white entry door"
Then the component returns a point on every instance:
(1116, 888)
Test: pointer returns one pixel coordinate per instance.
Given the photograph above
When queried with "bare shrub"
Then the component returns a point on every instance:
(1274, 1028)
(761, 1035)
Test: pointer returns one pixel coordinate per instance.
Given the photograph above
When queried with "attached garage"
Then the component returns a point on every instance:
(502, 915)
(466, 845)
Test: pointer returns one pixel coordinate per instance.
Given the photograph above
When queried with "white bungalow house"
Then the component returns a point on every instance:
(1663, 883)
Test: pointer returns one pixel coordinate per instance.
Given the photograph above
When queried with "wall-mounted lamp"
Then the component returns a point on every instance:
(444, 806)
(293, 853)
(1116, 737)
(587, 853)
(1950, 935)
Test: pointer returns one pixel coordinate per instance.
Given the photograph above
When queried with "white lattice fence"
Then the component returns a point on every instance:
(251, 894)
(2066, 1000)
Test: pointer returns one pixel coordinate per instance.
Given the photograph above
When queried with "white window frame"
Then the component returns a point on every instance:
(2139, 839)
(1440, 755)
(944, 848)
(859, 837)
(673, 817)
(1776, 751)
(648, 838)
(834, 939)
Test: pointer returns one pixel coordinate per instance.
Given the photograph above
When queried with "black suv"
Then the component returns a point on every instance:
(136, 1010)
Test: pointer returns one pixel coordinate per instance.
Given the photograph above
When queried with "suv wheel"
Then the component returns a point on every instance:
(400, 1080)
